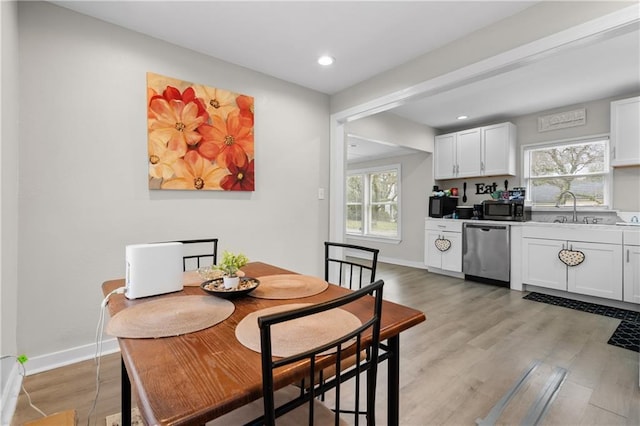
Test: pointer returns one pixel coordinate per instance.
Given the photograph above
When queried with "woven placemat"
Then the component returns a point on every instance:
(297, 335)
(289, 286)
(171, 316)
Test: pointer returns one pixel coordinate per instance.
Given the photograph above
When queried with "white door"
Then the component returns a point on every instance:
(469, 149)
(499, 150)
(452, 258)
(631, 291)
(444, 156)
(540, 263)
(600, 274)
(433, 256)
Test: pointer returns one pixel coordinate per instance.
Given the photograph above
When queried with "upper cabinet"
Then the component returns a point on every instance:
(625, 132)
(483, 151)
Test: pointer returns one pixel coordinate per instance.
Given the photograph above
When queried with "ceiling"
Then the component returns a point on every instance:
(283, 39)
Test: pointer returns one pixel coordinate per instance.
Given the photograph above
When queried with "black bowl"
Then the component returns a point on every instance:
(216, 287)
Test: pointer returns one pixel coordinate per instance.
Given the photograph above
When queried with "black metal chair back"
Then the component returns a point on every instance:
(351, 344)
(353, 271)
(201, 252)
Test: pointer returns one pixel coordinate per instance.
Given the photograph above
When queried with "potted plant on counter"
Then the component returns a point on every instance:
(230, 265)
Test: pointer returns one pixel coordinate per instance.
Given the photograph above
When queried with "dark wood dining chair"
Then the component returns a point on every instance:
(201, 252)
(297, 405)
(349, 265)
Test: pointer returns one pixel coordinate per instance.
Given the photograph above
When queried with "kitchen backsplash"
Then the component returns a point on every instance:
(474, 185)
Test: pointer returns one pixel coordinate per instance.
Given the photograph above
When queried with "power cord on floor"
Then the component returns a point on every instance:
(23, 372)
(98, 354)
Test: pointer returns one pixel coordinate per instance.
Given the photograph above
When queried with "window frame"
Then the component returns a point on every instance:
(366, 172)
(607, 174)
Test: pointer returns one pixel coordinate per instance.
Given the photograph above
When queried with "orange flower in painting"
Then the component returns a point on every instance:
(234, 140)
(161, 159)
(240, 178)
(218, 102)
(175, 123)
(245, 103)
(194, 172)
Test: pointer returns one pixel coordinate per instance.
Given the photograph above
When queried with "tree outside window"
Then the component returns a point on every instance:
(372, 202)
(580, 167)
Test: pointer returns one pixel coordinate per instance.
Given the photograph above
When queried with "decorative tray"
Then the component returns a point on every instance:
(216, 287)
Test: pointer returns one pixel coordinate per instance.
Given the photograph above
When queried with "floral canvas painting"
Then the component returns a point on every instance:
(199, 137)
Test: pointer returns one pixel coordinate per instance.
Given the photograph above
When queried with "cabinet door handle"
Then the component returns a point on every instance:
(628, 255)
(453, 169)
(482, 166)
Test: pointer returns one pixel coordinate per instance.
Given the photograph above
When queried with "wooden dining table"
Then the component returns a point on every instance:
(196, 377)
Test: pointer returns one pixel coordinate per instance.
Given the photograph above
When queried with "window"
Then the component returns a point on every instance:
(372, 202)
(579, 166)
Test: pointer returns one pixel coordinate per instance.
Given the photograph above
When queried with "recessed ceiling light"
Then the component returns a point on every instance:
(326, 60)
(462, 117)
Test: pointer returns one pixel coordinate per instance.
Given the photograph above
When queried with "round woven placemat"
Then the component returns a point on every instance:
(297, 335)
(171, 316)
(288, 286)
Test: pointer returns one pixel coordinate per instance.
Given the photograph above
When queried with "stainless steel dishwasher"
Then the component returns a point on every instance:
(485, 253)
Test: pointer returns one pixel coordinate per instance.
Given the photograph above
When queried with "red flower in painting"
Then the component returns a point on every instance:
(233, 139)
(189, 95)
(241, 178)
(245, 103)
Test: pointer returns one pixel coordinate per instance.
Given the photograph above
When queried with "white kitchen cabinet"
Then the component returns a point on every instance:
(631, 261)
(482, 151)
(625, 132)
(448, 236)
(499, 150)
(469, 153)
(444, 164)
(541, 266)
(600, 274)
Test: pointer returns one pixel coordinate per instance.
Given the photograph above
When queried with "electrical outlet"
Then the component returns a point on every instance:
(320, 193)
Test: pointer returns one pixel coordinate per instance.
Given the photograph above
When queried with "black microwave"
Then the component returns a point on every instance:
(442, 206)
(505, 210)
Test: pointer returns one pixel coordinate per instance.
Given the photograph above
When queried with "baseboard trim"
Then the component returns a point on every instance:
(10, 394)
(402, 262)
(47, 362)
(392, 261)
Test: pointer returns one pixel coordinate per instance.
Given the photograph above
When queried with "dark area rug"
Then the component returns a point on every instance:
(626, 336)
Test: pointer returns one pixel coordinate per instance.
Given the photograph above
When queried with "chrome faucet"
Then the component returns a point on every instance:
(575, 213)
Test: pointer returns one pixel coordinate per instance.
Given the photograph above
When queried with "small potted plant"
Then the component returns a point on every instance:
(230, 265)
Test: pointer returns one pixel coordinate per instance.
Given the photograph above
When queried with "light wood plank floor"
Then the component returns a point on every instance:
(477, 341)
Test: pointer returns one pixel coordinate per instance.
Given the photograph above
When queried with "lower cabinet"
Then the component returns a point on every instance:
(579, 267)
(631, 260)
(443, 245)
(540, 263)
(600, 274)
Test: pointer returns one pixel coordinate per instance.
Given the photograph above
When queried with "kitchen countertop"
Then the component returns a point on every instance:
(626, 226)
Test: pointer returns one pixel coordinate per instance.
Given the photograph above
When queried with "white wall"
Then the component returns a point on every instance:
(83, 169)
(8, 183)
